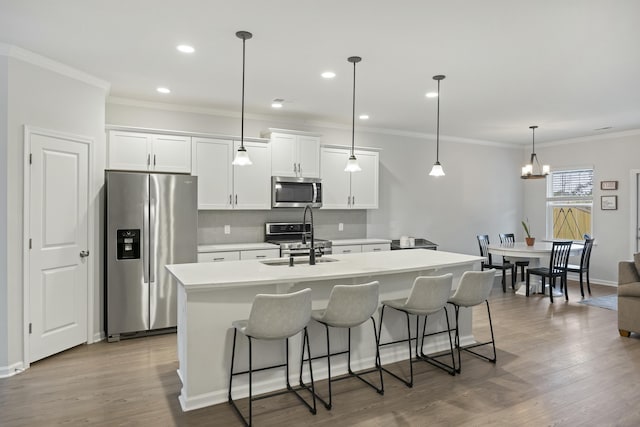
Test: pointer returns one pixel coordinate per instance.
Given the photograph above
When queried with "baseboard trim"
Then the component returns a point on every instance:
(11, 370)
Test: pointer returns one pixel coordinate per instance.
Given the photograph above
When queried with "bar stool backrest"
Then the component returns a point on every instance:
(279, 316)
(430, 293)
(352, 305)
(559, 256)
(474, 287)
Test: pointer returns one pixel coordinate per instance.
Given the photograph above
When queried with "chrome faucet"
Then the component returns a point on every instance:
(312, 250)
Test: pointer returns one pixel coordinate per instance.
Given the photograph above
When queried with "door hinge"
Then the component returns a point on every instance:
(30, 158)
(30, 243)
(30, 328)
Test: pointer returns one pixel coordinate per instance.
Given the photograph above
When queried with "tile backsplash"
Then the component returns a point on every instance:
(248, 226)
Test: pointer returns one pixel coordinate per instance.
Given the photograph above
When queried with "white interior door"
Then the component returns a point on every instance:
(58, 229)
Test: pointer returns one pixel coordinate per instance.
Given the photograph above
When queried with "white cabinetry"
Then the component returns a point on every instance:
(149, 152)
(349, 190)
(219, 256)
(357, 248)
(294, 154)
(224, 186)
(236, 255)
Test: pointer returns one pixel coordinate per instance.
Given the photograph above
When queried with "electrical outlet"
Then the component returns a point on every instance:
(340, 226)
(227, 229)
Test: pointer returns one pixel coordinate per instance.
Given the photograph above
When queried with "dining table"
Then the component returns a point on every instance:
(538, 255)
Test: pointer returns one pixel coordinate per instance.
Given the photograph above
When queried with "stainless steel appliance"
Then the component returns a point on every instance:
(151, 220)
(290, 192)
(419, 244)
(289, 236)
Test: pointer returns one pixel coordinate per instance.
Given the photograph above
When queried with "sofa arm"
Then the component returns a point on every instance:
(627, 272)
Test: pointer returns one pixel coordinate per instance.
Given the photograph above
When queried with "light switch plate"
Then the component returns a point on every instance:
(227, 229)
(340, 226)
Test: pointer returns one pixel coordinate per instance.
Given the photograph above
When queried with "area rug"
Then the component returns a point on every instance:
(610, 302)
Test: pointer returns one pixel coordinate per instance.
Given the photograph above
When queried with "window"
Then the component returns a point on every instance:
(569, 204)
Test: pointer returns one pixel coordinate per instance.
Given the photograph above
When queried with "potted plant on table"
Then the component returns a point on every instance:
(530, 240)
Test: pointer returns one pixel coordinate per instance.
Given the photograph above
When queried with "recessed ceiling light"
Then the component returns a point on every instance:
(277, 103)
(432, 94)
(185, 48)
(163, 90)
(328, 75)
(364, 117)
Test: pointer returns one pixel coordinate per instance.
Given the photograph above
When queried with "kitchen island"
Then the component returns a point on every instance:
(212, 295)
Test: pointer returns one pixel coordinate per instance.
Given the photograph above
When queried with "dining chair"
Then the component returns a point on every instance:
(483, 243)
(510, 238)
(558, 261)
(583, 268)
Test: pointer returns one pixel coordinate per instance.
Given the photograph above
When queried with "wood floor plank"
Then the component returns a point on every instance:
(560, 364)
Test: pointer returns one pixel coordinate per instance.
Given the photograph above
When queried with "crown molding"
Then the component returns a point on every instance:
(591, 138)
(54, 66)
(307, 123)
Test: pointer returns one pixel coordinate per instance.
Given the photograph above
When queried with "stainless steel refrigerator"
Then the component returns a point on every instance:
(151, 220)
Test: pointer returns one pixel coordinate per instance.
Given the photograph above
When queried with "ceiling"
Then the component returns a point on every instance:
(568, 66)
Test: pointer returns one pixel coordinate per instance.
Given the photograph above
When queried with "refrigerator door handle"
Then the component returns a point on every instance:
(152, 240)
(145, 241)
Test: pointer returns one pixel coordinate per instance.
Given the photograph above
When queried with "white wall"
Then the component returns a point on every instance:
(47, 99)
(612, 156)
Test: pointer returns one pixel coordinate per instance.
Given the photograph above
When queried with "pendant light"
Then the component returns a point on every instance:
(352, 163)
(437, 170)
(242, 157)
(533, 170)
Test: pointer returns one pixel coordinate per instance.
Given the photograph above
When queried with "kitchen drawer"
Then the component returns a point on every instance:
(219, 256)
(260, 254)
(347, 249)
(378, 247)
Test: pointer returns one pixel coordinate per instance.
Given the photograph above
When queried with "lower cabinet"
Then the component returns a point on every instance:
(238, 255)
(352, 249)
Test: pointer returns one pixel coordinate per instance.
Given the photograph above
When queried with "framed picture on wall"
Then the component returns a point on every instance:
(608, 203)
(608, 185)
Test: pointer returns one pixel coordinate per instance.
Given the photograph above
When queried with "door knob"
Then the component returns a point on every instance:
(84, 254)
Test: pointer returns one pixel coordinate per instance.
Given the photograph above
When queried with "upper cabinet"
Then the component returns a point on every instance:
(224, 186)
(149, 152)
(294, 153)
(349, 190)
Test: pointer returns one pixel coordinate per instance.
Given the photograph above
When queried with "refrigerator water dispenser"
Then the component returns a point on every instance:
(128, 244)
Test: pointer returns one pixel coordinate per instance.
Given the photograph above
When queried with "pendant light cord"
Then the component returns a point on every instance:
(438, 127)
(353, 115)
(244, 40)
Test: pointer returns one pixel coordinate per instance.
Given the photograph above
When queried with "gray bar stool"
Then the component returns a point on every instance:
(474, 289)
(275, 317)
(349, 306)
(429, 295)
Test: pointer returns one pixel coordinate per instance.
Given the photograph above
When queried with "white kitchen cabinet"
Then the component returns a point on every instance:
(349, 190)
(376, 247)
(295, 154)
(149, 152)
(260, 254)
(224, 186)
(347, 249)
(219, 256)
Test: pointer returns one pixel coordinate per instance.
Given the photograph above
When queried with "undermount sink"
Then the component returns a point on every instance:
(297, 261)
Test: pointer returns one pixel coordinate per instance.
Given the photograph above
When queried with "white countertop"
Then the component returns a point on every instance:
(344, 242)
(236, 247)
(221, 275)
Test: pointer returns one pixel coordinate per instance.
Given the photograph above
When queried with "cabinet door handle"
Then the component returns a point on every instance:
(348, 200)
(261, 256)
(148, 159)
(236, 199)
(346, 251)
(218, 259)
(353, 200)
(230, 199)
(154, 160)
(299, 169)
(376, 249)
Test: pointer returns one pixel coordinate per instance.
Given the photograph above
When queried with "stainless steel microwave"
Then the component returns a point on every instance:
(290, 192)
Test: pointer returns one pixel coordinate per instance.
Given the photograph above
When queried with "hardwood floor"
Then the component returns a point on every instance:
(560, 364)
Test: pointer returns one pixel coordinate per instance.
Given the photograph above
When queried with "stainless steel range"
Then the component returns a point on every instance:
(292, 239)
